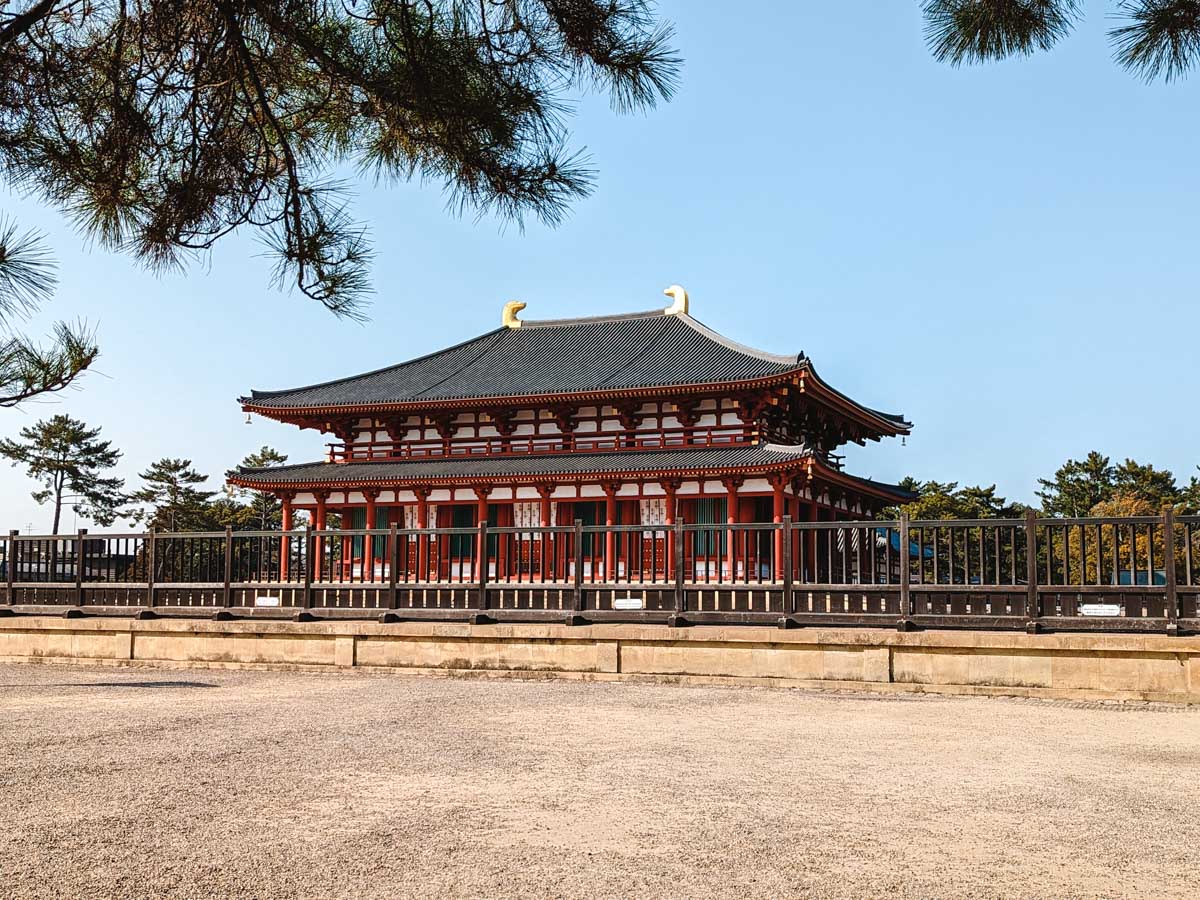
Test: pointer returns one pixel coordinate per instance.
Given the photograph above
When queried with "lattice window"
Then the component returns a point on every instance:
(652, 511)
(529, 515)
(410, 516)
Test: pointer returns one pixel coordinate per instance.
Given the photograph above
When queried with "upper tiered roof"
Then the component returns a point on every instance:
(564, 356)
(559, 359)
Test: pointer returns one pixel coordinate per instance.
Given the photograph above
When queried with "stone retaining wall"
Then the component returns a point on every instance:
(1129, 667)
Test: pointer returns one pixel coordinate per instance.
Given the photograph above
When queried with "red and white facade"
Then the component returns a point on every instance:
(637, 420)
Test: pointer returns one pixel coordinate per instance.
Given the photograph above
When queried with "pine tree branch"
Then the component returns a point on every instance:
(28, 370)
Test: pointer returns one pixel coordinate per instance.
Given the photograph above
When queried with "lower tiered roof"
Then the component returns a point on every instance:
(745, 460)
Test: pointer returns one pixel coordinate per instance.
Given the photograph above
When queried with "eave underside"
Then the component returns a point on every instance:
(812, 402)
(793, 466)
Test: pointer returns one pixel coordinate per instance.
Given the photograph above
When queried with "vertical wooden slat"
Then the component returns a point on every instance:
(802, 562)
(905, 573)
(227, 590)
(1150, 555)
(11, 565)
(680, 561)
(577, 580)
(151, 540)
(80, 536)
(1189, 536)
(1031, 574)
(393, 565)
(789, 600)
(1172, 591)
(936, 541)
(306, 593)
(1116, 554)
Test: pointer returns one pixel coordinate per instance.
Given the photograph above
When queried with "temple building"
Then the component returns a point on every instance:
(635, 419)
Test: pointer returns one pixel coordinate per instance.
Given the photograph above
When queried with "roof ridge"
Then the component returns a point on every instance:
(781, 358)
(590, 320)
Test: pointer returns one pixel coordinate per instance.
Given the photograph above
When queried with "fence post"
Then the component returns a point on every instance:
(1172, 591)
(79, 539)
(676, 618)
(789, 601)
(1031, 573)
(905, 554)
(481, 615)
(150, 564)
(577, 577)
(10, 565)
(306, 592)
(393, 565)
(226, 589)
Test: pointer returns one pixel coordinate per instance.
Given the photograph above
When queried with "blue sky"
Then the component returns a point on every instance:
(1006, 254)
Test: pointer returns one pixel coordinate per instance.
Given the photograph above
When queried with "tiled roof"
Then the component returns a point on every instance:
(551, 358)
(559, 466)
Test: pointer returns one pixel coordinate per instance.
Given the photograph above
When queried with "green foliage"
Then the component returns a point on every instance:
(161, 126)
(1156, 487)
(171, 499)
(1080, 486)
(255, 510)
(68, 459)
(1077, 486)
(972, 31)
(1157, 38)
(946, 500)
(1189, 496)
(27, 278)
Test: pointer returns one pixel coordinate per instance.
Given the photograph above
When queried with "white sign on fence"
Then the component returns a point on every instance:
(1099, 609)
(628, 603)
(266, 601)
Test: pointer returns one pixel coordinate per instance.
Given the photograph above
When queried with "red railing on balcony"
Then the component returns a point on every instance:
(584, 442)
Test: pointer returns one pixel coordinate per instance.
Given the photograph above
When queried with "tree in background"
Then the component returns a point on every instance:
(946, 500)
(69, 460)
(172, 501)
(1156, 38)
(1189, 496)
(1081, 487)
(1154, 487)
(257, 510)
(27, 279)
(1077, 486)
(160, 127)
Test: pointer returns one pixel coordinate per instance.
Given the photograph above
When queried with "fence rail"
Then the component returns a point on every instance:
(1114, 574)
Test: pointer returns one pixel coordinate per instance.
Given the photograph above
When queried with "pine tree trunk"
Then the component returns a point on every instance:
(54, 543)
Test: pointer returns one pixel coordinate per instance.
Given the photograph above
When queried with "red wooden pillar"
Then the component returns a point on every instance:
(732, 517)
(368, 543)
(285, 524)
(481, 516)
(778, 505)
(422, 494)
(610, 536)
(670, 505)
(319, 525)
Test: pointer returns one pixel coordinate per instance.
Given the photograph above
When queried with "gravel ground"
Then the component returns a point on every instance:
(151, 782)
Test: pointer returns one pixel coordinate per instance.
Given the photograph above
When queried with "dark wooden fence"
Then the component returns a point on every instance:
(1114, 574)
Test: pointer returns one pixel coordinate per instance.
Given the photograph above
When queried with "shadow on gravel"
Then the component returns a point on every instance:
(134, 684)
